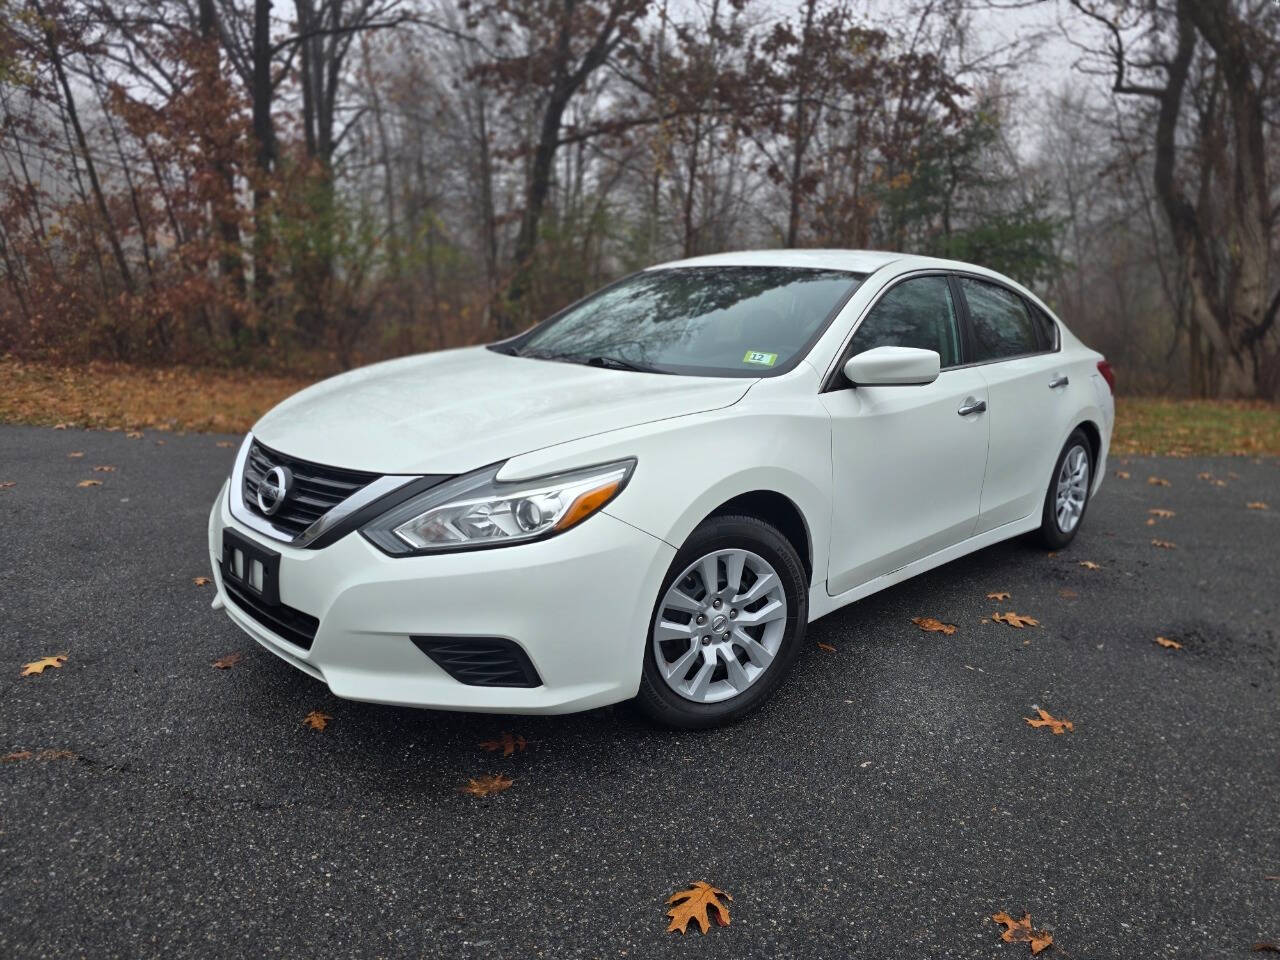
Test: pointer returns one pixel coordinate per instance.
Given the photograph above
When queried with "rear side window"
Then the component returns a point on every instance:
(915, 313)
(1002, 324)
(1048, 329)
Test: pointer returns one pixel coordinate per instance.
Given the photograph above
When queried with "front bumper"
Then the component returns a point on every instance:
(578, 605)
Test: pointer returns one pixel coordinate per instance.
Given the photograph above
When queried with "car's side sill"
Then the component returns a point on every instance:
(820, 604)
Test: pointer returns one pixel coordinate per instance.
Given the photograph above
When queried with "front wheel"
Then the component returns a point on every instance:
(1068, 494)
(727, 624)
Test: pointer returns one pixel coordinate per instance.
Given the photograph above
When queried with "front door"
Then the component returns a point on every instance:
(908, 461)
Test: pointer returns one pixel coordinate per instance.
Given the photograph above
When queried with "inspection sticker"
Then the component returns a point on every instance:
(755, 356)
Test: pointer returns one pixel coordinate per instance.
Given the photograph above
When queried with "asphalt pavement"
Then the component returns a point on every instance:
(885, 803)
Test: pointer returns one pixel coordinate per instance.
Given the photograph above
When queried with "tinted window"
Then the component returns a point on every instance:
(915, 313)
(1002, 327)
(1048, 329)
(704, 320)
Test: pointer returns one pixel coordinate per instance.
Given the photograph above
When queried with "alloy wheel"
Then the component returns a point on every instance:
(1073, 488)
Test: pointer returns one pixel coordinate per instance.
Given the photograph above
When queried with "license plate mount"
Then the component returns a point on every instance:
(250, 567)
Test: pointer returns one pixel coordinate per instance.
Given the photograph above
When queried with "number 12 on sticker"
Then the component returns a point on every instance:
(764, 359)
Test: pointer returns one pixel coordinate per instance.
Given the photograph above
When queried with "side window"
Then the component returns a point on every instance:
(1048, 329)
(914, 313)
(1002, 325)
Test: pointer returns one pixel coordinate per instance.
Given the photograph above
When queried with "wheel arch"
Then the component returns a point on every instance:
(1094, 436)
(779, 511)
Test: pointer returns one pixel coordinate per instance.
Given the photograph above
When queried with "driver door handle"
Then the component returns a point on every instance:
(971, 405)
(1059, 381)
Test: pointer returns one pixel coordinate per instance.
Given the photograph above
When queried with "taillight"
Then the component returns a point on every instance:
(1108, 374)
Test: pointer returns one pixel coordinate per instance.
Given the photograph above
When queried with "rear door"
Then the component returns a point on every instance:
(1017, 351)
(907, 461)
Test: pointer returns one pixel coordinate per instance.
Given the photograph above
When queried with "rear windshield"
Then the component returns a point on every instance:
(716, 321)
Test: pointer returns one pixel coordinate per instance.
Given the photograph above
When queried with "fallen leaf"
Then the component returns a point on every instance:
(1162, 513)
(489, 783)
(506, 743)
(134, 435)
(1171, 644)
(1066, 593)
(201, 581)
(60, 426)
(104, 469)
(1019, 931)
(1046, 720)
(998, 595)
(89, 483)
(1151, 521)
(39, 666)
(700, 904)
(1158, 482)
(75, 455)
(316, 720)
(231, 659)
(1122, 474)
(160, 443)
(226, 443)
(1204, 476)
(826, 646)
(1015, 620)
(1265, 947)
(1164, 544)
(7, 484)
(1256, 505)
(50, 754)
(1090, 565)
(16, 756)
(933, 625)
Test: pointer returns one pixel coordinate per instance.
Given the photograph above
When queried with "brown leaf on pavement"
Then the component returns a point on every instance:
(1020, 931)
(36, 667)
(1171, 644)
(933, 625)
(201, 581)
(1015, 620)
(1164, 544)
(1158, 482)
(231, 659)
(700, 904)
(998, 595)
(826, 646)
(1047, 720)
(1090, 565)
(1256, 505)
(1122, 474)
(316, 720)
(507, 743)
(226, 443)
(487, 784)
(104, 469)
(75, 454)
(134, 435)
(89, 483)
(1066, 593)
(7, 484)
(1162, 513)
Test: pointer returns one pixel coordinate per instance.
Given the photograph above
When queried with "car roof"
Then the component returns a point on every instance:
(857, 261)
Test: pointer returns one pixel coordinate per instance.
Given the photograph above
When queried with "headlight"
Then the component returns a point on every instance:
(477, 510)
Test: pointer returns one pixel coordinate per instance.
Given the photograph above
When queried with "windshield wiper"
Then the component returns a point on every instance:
(614, 363)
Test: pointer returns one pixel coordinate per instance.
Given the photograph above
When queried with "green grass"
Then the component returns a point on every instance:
(1185, 428)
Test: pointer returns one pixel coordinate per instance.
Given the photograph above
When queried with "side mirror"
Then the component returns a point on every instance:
(893, 367)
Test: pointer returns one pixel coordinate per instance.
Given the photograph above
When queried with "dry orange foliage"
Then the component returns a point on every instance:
(1090, 565)
(1164, 544)
(699, 904)
(487, 784)
(39, 666)
(934, 625)
(231, 659)
(1122, 474)
(89, 483)
(1019, 931)
(1066, 593)
(7, 484)
(1171, 644)
(1158, 482)
(75, 455)
(105, 468)
(826, 646)
(506, 743)
(1046, 720)
(998, 595)
(201, 581)
(1015, 620)
(19, 755)
(1256, 505)
(316, 720)
(1162, 513)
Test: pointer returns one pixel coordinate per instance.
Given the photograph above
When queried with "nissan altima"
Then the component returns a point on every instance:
(650, 494)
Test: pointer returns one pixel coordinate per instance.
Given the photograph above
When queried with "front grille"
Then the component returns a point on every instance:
(481, 661)
(316, 489)
(292, 625)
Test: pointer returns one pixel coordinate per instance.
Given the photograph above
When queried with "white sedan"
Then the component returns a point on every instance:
(652, 493)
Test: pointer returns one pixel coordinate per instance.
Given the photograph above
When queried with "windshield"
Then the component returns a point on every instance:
(711, 321)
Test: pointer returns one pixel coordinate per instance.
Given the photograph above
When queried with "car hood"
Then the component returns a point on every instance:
(458, 410)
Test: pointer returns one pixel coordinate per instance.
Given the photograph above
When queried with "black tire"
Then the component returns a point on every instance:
(1051, 534)
(666, 706)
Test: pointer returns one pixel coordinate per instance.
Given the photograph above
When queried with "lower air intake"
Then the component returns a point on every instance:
(481, 661)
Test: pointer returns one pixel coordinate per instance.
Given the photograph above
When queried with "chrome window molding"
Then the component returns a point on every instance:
(366, 495)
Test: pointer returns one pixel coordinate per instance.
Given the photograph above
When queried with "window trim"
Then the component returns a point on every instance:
(1026, 303)
(832, 380)
(856, 281)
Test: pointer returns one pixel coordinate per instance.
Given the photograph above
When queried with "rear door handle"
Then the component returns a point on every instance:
(971, 405)
(1059, 381)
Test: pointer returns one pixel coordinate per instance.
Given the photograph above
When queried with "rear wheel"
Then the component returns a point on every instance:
(1068, 495)
(727, 624)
